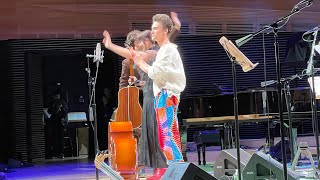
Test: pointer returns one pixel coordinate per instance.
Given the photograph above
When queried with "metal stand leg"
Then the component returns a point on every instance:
(303, 147)
(204, 154)
(294, 139)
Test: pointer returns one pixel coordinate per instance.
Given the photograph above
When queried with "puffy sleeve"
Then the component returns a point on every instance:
(163, 63)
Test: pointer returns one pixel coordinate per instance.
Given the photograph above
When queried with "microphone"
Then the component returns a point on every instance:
(98, 54)
(243, 40)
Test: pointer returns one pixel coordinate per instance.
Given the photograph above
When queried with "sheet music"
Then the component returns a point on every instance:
(317, 48)
(77, 117)
(242, 60)
(316, 85)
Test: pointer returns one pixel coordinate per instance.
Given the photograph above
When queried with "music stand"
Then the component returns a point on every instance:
(316, 85)
(275, 26)
(236, 57)
(240, 58)
(317, 48)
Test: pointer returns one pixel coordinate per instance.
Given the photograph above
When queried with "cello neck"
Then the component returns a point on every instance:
(131, 68)
(131, 73)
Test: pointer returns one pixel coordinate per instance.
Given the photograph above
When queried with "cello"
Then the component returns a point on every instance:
(129, 108)
(122, 144)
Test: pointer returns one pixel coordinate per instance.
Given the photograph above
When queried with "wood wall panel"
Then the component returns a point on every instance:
(8, 22)
(35, 18)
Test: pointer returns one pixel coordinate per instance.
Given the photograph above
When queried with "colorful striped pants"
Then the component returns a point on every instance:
(168, 128)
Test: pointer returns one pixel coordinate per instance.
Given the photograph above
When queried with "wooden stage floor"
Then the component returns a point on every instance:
(81, 168)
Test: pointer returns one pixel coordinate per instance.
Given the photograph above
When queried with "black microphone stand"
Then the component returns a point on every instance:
(92, 81)
(235, 110)
(288, 103)
(280, 100)
(286, 86)
(275, 26)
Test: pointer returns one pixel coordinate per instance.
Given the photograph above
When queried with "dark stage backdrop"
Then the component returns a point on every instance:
(4, 109)
(34, 68)
(67, 69)
(206, 66)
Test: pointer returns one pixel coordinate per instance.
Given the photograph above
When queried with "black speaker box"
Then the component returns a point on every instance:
(226, 163)
(186, 171)
(263, 166)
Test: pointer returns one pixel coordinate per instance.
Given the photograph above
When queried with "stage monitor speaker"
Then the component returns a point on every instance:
(263, 166)
(186, 171)
(226, 163)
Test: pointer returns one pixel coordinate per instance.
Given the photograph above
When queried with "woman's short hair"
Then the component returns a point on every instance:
(131, 38)
(146, 34)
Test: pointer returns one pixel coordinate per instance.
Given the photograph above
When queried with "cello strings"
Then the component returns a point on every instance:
(128, 103)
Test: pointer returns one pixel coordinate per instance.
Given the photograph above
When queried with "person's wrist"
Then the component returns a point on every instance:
(110, 45)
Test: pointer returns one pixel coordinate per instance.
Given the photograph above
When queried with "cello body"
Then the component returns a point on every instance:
(122, 144)
(122, 147)
(129, 108)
